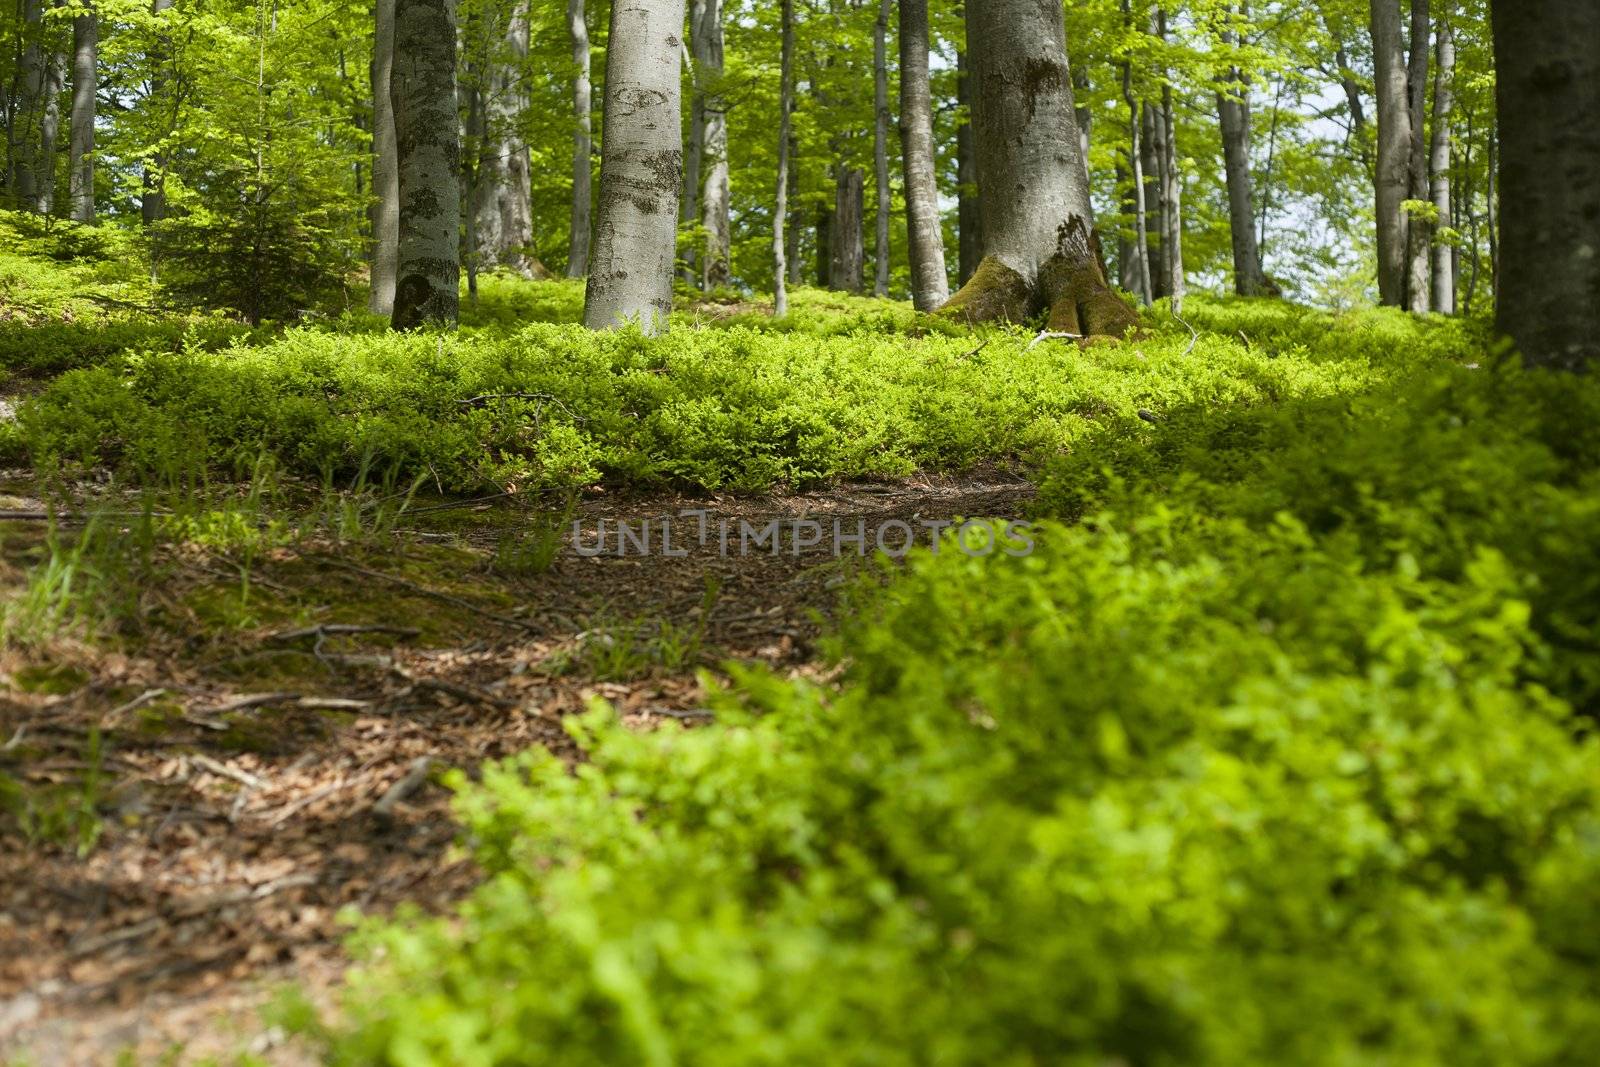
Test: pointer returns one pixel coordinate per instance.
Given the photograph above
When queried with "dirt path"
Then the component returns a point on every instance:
(269, 759)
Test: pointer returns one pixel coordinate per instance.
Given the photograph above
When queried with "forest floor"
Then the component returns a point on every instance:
(267, 755)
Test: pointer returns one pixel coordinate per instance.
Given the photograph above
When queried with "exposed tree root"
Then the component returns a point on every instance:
(1071, 285)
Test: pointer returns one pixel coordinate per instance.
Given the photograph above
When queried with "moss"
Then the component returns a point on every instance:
(49, 679)
(994, 293)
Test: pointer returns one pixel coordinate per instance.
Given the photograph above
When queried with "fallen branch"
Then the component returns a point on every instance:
(1045, 335)
(416, 774)
(331, 629)
(222, 770)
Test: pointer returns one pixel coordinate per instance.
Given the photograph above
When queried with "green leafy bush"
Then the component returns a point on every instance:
(1269, 757)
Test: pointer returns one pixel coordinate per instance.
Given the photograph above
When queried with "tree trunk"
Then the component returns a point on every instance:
(29, 106)
(641, 169)
(1151, 152)
(1085, 116)
(1444, 260)
(880, 148)
(1233, 111)
(1128, 257)
(1419, 232)
(503, 202)
(385, 166)
(706, 34)
(780, 212)
(968, 222)
(1171, 204)
(846, 243)
(1144, 290)
(1547, 57)
(153, 182)
(582, 141)
(1392, 179)
(1041, 250)
(85, 46)
(930, 285)
(49, 131)
(422, 93)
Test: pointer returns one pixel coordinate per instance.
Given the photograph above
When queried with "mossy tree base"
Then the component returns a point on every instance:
(1071, 285)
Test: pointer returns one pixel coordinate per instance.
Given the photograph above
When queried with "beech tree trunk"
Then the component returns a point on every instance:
(968, 223)
(1233, 112)
(847, 252)
(153, 182)
(641, 169)
(1041, 250)
(1419, 231)
(30, 105)
(780, 212)
(1171, 186)
(49, 131)
(1392, 179)
(582, 141)
(504, 196)
(1140, 265)
(422, 93)
(880, 145)
(1547, 58)
(85, 47)
(385, 166)
(706, 36)
(930, 284)
(1444, 258)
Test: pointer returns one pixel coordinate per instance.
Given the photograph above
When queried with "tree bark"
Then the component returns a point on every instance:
(29, 107)
(1419, 232)
(1444, 259)
(968, 223)
(706, 35)
(1085, 116)
(49, 131)
(582, 141)
(504, 200)
(85, 48)
(1392, 179)
(1041, 250)
(780, 212)
(880, 147)
(847, 252)
(930, 285)
(641, 169)
(1144, 290)
(1233, 111)
(153, 182)
(385, 165)
(422, 92)
(1170, 185)
(1547, 58)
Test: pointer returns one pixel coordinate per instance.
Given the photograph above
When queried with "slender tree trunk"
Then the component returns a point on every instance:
(49, 131)
(85, 48)
(1041, 250)
(1141, 229)
(30, 105)
(1127, 250)
(582, 141)
(1233, 111)
(385, 166)
(153, 181)
(706, 33)
(1444, 260)
(795, 223)
(930, 284)
(1547, 58)
(502, 204)
(422, 92)
(780, 212)
(1394, 150)
(1172, 205)
(1085, 116)
(641, 169)
(694, 152)
(880, 148)
(847, 245)
(968, 221)
(1152, 151)
(1491, 219)
(1419, 232)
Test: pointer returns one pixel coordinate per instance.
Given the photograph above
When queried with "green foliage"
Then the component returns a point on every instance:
(58, 813)
(1269, 758)
(743, 405)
